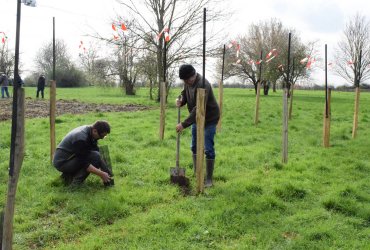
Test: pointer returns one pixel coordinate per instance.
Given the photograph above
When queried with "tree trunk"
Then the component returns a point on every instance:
(129, 88)
(274, 87)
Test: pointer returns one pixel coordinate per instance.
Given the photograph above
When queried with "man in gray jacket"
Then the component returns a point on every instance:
(78, 154)
(4, 82)
(193, 81)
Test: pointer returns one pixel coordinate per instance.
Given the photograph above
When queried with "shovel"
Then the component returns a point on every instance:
(177, 174)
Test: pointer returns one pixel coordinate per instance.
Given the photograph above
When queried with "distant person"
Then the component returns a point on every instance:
(77, 155)
(19, 80)
(266, 87)
(193, 81)
(40, 86)
(4, 82)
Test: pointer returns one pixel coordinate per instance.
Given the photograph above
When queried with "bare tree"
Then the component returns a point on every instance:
(67, 74)
(183, 20)
(266, 36)
(356, 39)
(6, 59)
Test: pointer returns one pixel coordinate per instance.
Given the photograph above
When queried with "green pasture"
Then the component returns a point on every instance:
(320, 199)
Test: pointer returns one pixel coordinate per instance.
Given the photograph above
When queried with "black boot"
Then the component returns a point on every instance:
(66, 178)
(210, 164)
(194, 164)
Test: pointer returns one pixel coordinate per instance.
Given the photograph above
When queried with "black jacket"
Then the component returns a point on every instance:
(77, 142)
(41, 82)
(189, 97)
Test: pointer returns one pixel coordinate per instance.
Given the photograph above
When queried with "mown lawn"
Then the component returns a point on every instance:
(320, 199)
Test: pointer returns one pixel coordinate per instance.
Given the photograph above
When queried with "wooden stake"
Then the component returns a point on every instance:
(285, 108)
(200, 118)
(285, 126)
(13, 178)
(221, 89)
(355, 115)
(326, 127)
(52, 118)
(256, 116)
(163, 111)
(291, 102)
(220, 103)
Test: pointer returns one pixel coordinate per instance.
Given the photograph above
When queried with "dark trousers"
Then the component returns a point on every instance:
(77, 166)
(38, 91)
(209, 143)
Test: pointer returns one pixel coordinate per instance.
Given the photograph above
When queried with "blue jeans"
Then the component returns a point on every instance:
(4, 89)
(209, 135)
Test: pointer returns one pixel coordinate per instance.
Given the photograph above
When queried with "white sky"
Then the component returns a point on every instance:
(321, 20)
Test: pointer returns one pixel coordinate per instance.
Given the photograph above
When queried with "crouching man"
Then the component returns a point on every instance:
(77, 155)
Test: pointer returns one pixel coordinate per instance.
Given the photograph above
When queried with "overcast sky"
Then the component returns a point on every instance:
(321, 20)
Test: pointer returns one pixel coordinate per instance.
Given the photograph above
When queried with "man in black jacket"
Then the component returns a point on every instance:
(40, 86)
(193, 81)
(78, 154)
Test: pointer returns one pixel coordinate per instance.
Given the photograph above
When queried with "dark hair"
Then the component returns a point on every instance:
(101, 127)
(186, 71)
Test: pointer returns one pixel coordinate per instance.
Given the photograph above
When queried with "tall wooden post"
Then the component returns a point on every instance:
(7, 237)
(285, 109)
(163, 110)
(355, 115)
(291, 102)
(163, 91)
(259, 83)
(257, 103)
(327, 117)
(326, 127)
(220, 103)
(201, 93)
(285, 126)
(52, 118)
(357, 97)
(221, 90)
(200, 117)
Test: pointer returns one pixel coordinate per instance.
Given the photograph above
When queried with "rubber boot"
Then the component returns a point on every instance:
(194, 164)
(210, 165)
(66, 178)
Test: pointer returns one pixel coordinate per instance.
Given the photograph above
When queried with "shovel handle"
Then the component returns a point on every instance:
(178, 137)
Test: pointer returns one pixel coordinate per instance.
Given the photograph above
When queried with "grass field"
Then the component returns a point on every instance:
(320, 199)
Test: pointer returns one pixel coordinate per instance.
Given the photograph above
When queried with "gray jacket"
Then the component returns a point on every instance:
(4, 81)
(189, 97)
(77, 142)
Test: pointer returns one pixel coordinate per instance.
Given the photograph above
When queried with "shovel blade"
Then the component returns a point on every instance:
(177, 172)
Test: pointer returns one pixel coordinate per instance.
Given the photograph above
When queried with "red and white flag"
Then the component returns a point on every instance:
(271, 55)
(166, 31)
(3, 37)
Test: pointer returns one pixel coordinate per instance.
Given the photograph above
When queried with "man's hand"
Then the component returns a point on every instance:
(179, 128)
(105, 177)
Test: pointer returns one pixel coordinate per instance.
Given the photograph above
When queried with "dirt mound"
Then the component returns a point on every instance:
(40, 108)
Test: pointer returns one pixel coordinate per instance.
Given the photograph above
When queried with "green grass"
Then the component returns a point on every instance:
(318, 200)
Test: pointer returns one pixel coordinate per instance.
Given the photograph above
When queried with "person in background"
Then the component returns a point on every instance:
(77, 155)
(40, 86)
(193, 81)
(4, 82)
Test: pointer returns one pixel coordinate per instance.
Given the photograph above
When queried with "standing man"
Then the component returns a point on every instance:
(78, 154)
(193, 81)
(40, 86)
(4, 82)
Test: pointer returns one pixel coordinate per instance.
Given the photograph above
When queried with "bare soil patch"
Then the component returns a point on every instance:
(37, 108)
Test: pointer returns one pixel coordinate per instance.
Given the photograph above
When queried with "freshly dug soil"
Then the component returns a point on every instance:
(40, 108)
